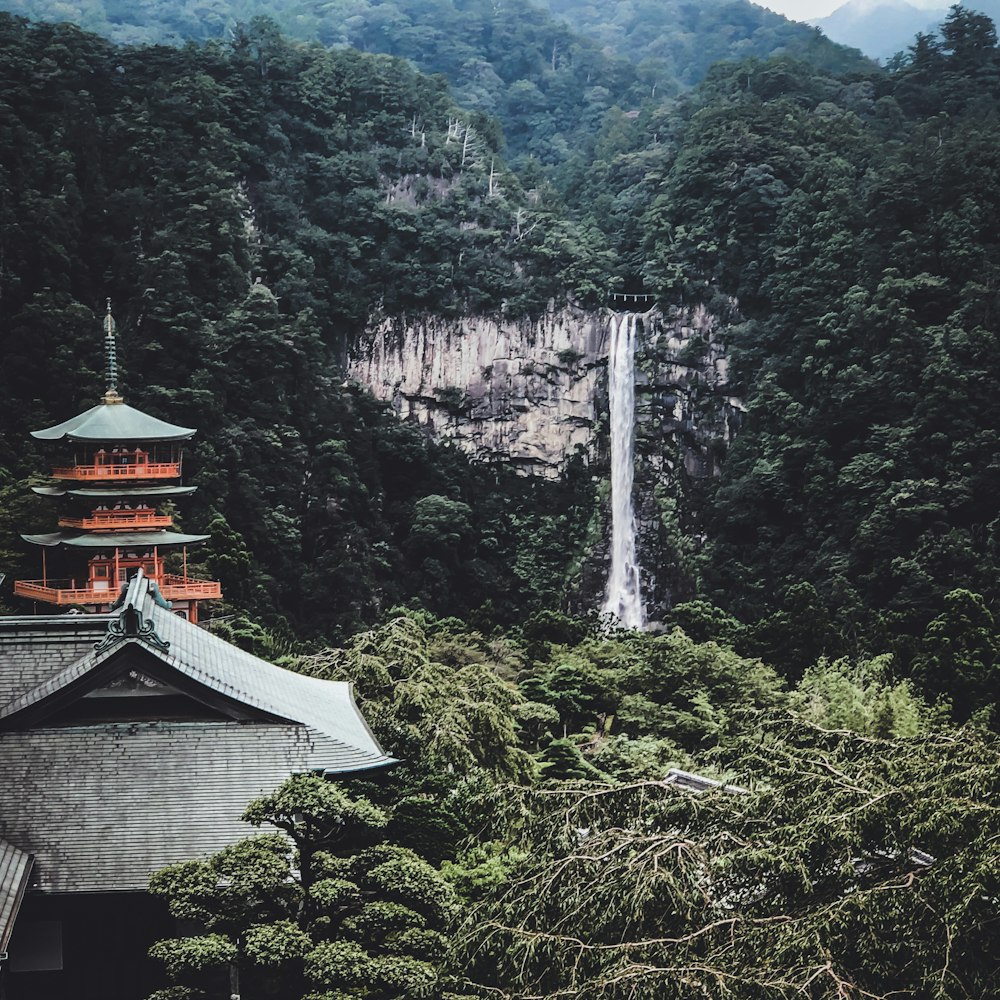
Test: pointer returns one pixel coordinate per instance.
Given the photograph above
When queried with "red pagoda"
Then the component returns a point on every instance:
(124, 464)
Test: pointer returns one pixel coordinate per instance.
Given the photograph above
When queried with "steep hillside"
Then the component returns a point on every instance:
(685, 38)
(246, 207)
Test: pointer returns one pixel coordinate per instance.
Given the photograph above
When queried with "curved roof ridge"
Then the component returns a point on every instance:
(328, 707)
(119, 490)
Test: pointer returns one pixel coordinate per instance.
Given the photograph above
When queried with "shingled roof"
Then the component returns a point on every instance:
(101, 805)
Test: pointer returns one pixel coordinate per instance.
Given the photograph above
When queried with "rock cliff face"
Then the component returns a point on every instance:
(532, 394)
(517, 392)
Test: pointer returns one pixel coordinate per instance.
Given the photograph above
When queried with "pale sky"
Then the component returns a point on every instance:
(802, 10)
(809, 10)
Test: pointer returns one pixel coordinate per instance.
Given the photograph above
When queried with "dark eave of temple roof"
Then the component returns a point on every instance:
(117, 491)
(15, 870)
(107, 423)
(113, 539)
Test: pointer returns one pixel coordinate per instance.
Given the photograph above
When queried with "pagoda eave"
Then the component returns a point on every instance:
(114, 540)
(137, 490)
(110, 422)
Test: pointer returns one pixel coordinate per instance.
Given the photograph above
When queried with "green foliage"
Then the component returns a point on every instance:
(435, 714)
(805, 884)
(959, 658)
(318, 815)
(369, 919)
(863, 698)
(562, 760)
(191, 955)
(549, 75)
(274, 944)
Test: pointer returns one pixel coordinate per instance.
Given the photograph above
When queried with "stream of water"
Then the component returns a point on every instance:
(624, 596)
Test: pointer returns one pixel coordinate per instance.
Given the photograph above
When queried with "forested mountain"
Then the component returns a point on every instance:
(245, 207)
(850, 219)
(249, 204)
(880, 29)
(549, 79)
(685, 38)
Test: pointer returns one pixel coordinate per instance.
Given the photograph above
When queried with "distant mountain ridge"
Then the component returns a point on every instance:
(692, 36)
(881, 28)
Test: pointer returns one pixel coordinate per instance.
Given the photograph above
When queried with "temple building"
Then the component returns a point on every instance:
(121, 465)
(130, 736)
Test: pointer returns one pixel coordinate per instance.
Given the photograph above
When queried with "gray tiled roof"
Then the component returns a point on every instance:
(110, 422)
(15, 868)
(34, 648)
(102, 807)
(328, 707)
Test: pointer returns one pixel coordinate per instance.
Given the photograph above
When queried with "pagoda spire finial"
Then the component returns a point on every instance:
(110, 358)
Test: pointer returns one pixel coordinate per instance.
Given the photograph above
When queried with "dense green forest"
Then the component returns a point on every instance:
(832, 657)
(548, 77)
(529, 845)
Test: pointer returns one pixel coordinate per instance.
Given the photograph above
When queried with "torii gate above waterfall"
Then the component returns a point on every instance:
(632, 298)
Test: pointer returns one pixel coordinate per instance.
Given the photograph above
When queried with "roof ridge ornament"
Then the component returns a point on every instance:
(111, 395)
(131, 625)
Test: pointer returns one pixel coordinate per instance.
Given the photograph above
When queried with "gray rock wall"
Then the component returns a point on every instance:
(516, 391)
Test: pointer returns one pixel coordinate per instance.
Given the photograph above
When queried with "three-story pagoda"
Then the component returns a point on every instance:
(121, 466)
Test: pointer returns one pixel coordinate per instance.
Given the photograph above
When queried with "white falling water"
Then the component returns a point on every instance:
(624, 598)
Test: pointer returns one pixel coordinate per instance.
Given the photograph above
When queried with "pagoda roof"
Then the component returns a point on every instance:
(114, 421)
(113, 539)
(118, 491)
(101, 805)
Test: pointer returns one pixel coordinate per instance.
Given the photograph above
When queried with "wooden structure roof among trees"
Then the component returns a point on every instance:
(103, 802)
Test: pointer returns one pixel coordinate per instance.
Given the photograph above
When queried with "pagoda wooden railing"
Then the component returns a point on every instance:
(174, 587)
(118, 520)
(63, 592)
(135, 470)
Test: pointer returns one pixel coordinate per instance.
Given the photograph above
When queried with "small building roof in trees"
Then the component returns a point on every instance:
(103, 804)
(15, 869)
(114, 539)
(114, 421)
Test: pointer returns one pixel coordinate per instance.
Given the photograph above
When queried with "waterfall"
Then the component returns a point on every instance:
(624, 599)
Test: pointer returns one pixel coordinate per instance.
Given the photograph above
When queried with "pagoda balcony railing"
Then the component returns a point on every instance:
(118, 520)
(113, 473)
(64, 592)
(187, 588)
(172, 587)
